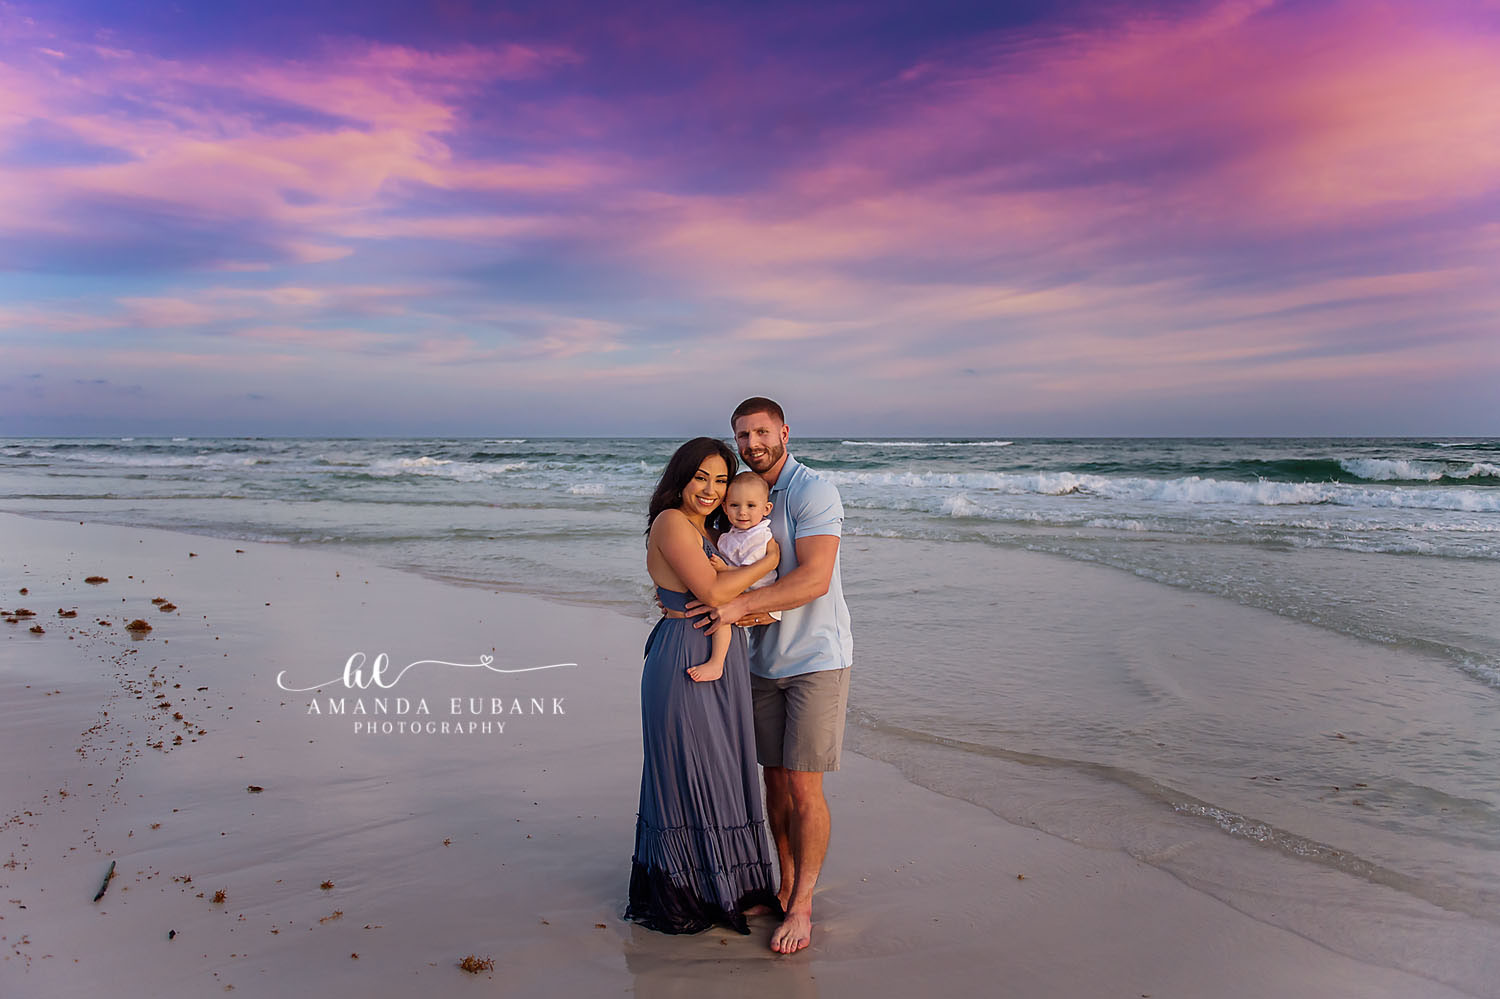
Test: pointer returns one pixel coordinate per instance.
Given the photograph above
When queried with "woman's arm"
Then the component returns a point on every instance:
(681, 546)
(816, 557)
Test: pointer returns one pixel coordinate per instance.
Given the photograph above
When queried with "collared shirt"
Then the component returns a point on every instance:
(815, 636)
(741, 546)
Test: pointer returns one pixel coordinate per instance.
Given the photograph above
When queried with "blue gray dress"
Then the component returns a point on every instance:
(702, 855)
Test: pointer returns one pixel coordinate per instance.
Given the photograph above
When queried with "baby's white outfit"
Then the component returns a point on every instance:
(741, 546)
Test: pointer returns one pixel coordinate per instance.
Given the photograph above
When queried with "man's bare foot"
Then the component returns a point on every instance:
(706, 672)
(794, 933)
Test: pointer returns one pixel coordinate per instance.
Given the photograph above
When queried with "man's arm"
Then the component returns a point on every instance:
(816, 556)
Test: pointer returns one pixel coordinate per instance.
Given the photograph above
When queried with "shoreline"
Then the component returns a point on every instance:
(513, 845)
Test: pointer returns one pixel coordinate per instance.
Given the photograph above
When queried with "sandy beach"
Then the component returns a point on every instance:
(1136, 353)
(368, 840)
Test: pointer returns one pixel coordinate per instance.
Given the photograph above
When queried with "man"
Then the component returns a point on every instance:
(799, 665)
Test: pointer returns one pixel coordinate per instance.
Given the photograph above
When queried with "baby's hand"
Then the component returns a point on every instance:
(719, 564)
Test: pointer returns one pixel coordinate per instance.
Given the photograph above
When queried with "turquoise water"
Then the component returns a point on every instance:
(1221, 516)
(1291, 643)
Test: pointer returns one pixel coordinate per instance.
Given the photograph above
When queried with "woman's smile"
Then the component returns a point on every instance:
(707, 487)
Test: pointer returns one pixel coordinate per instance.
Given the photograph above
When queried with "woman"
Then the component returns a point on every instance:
(701, 852)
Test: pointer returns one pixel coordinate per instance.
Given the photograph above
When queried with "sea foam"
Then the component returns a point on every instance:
(1188, 490)
(927, 443)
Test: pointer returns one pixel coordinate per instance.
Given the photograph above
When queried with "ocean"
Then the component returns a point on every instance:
(1285, 652)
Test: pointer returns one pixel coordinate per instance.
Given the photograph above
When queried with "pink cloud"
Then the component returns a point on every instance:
(361, 297)
(459, 228)
(307, 180)
(1246, 116)
(1299, 113)
(19, 100)
(34, 317)
(333, 340)
(508, 61)
(1115, 154)
(138, 361)
(158, 312)
(1040, 208)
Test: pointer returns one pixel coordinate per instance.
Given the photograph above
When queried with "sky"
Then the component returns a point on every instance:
(895, 218)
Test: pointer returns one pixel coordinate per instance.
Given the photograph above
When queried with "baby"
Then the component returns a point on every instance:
(747, 503)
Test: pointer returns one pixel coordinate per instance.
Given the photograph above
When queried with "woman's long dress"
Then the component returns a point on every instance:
(702, 855)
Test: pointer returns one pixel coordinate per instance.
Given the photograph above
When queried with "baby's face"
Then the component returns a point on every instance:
(746, 506)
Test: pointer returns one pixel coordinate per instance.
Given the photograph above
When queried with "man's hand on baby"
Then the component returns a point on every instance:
(714, 618)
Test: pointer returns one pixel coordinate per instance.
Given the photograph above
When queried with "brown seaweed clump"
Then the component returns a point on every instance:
(474, 965)
(167, 607)
(37, 629)
(138, 626)
(96, 580)
(23, 612)
(220, 896)
(66, 613)
(158, 600)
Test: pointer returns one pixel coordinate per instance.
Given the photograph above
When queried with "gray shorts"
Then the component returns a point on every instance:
(799, 720)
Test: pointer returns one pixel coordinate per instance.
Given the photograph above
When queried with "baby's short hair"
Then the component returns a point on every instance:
(745, 478)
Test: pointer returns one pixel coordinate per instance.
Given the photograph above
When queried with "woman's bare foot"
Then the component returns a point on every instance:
(794, 933)
(706, 672)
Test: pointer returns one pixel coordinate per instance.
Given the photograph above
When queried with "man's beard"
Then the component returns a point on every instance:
(768, 460)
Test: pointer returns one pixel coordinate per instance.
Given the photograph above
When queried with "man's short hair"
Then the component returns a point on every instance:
(757, 404)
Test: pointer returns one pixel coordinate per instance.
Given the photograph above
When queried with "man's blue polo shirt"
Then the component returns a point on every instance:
(815, 636)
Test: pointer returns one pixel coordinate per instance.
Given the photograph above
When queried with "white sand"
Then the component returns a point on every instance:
(513, 846)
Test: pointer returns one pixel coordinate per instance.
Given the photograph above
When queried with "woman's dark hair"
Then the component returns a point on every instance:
(680, 471)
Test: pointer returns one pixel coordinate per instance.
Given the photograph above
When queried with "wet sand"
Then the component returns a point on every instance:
(375, 861)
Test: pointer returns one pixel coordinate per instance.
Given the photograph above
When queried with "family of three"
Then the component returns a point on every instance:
(750, 662)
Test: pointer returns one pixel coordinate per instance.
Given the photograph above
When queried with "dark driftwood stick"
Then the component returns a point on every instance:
(105, 886)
